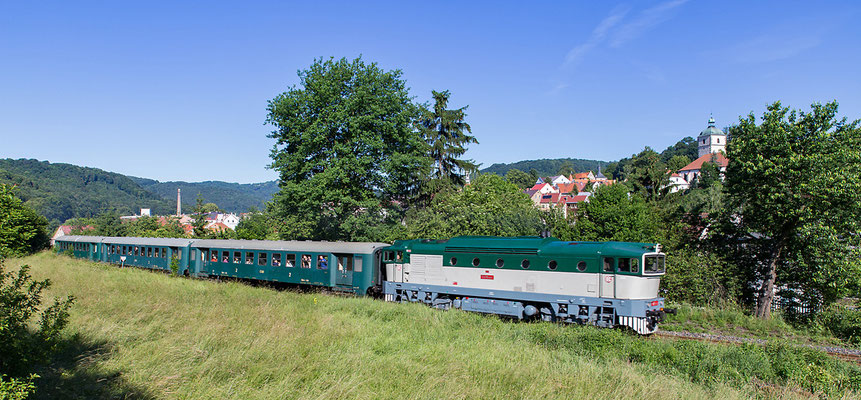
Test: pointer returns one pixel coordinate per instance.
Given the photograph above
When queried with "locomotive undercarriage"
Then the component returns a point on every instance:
(605, 314)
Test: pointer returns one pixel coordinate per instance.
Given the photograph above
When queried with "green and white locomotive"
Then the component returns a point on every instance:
(607, 284)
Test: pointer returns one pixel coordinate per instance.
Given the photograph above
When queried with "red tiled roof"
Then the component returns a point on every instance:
(568, 187)
(697, 164)
(582, 175)
(577, 199)
(538, 186)
(550, 198)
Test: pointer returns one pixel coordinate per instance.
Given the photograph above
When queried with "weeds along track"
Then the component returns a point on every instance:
(842, 353)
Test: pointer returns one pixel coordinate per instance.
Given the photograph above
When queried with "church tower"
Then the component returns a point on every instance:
(711, 139)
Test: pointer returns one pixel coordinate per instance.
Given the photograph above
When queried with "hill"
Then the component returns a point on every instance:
(545, 167)
(64, 191)
(138, 334)
(231, 197)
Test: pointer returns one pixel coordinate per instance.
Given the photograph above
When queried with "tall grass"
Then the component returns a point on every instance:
(137, 334)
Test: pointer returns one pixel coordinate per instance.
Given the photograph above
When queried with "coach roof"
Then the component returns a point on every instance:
(309, 246)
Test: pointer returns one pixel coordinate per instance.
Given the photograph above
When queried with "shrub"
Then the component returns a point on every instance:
(699, 278)
(22, 230)
(843, 322)
(21, 346)
(174, 265)
(16, 389)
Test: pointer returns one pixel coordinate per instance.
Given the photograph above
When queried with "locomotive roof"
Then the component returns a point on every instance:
(294, 245)
(522, 245)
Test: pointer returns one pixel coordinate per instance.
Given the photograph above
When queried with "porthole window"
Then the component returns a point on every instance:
(552, 264)
(453, 261)
(581, 266)
(475, 262)
(524, 264)
(499, 263)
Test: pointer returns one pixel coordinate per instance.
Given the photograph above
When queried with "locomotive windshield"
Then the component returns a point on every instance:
(654, 264)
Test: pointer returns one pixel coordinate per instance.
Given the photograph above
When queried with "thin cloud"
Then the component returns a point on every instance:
(597, 36)
(773, 47)
(646, 20)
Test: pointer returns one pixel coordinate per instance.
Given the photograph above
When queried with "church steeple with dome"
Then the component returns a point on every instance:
(711, 139)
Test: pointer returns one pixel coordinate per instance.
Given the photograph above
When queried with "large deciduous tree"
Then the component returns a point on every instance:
(490, 205)
(345, 150)
(794, 187)
(22, 231)
(613, 213)
(648, 174)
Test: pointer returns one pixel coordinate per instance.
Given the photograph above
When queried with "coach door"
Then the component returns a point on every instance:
(344, 273)
(608, 278)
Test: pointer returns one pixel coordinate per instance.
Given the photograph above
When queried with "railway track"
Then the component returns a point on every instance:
(842, 353)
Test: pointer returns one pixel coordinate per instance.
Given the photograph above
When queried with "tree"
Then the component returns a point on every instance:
(488, 206)
(520, 179)
(109, 224)
(648, 175)
(447, 134)
(199, 222)
(22, 231)
(794, 185)
(709, 174)
(256, 225)
(211, 207)
(614, 214)
(686, 147)
(344, 149)
(566, 169)
(678, 162)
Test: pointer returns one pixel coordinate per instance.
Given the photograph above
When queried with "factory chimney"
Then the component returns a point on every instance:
(178, 203)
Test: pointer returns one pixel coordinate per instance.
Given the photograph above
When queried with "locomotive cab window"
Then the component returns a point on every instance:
(388, 256)
(654, 264)
(608, 265)
(635, 265)
(624, 265)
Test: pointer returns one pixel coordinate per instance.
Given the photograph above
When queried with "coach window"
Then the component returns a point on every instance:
(249, 257)
(306, 261)
(261, 259)
(225, 257)
(635, 267)
(524, 264)
(581, 266)
(608, 265)
(453, 261)
(322, 262)
(500, 263)
(213, 255)
(149, 251)
(137, 251)
(476, 262)
(237, 257)
(276, 260)
(290, 260)
(552, 265)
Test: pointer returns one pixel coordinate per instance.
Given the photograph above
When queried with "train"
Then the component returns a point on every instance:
(605, 284)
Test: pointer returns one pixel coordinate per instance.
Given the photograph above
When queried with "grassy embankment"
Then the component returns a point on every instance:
(735, 322)
(139, 334)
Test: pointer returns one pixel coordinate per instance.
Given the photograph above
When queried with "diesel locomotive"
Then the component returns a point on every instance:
(606, 284)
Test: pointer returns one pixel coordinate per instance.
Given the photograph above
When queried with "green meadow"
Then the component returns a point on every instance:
(139, 334)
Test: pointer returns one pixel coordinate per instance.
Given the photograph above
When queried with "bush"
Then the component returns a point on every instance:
(22, 347)
(843, 322)
(16, 389)
(699, 278)
(22, 230)
(174, 265)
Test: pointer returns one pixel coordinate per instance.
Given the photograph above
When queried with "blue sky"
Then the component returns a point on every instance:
(178, 90)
